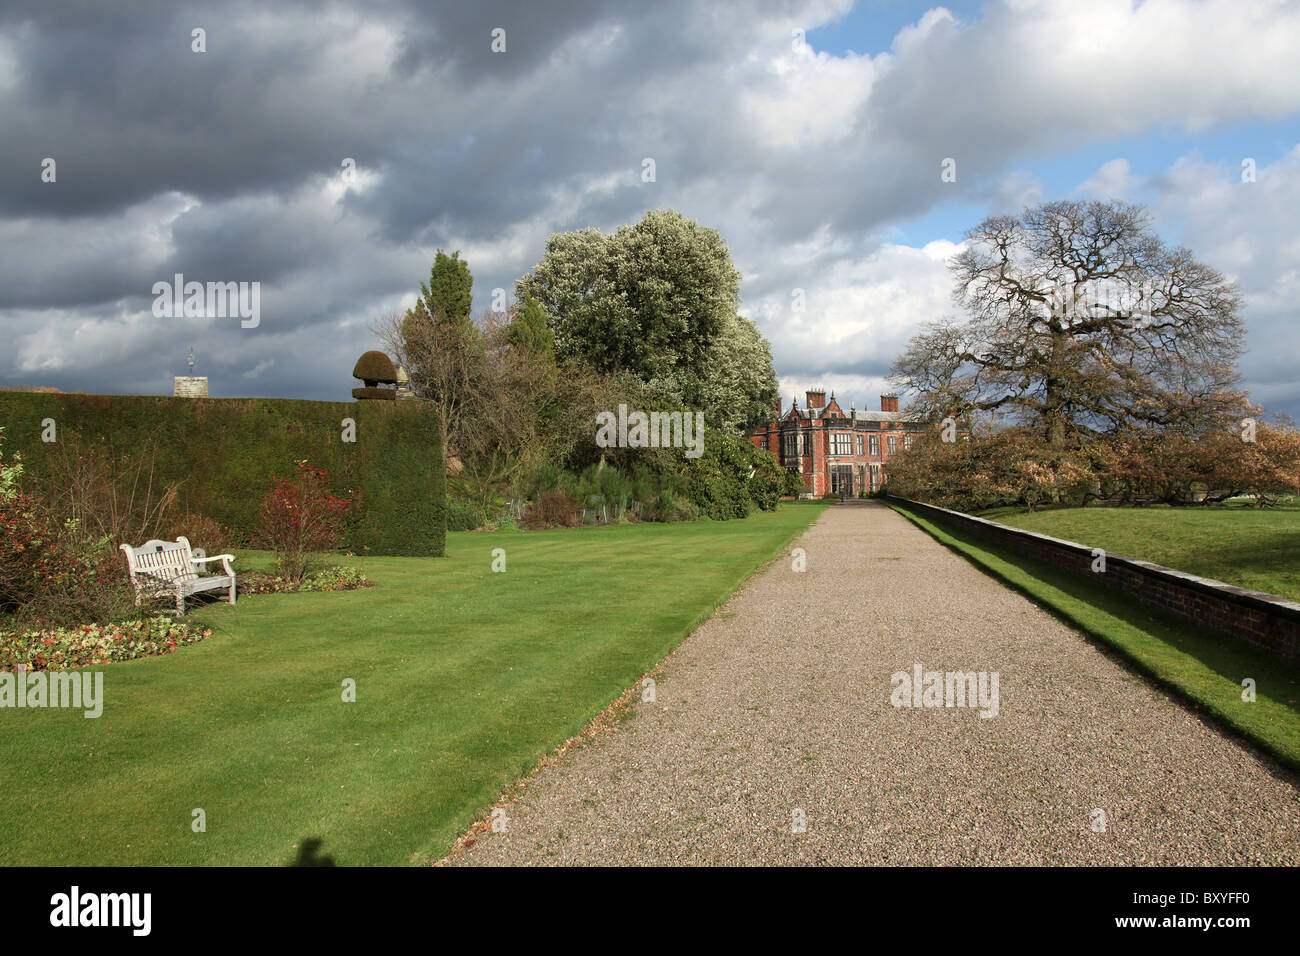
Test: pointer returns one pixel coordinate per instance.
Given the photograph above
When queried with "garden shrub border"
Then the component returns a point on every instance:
(92, 645)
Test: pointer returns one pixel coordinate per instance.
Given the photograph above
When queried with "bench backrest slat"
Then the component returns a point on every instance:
(162, 560)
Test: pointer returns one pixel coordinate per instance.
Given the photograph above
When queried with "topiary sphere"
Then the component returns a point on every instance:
(375, 367)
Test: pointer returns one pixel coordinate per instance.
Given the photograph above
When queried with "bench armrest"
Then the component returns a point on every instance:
(225, 560)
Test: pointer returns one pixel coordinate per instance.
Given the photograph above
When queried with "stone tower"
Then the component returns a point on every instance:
(190, 386)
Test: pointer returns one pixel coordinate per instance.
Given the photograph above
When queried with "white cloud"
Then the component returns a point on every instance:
(1250, 233)
(1014, 191)
(1111, 181)
(859, 314)
(810, 99)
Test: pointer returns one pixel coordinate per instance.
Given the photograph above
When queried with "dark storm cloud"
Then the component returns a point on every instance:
(225, 165)
(128, 109)
(457, 36)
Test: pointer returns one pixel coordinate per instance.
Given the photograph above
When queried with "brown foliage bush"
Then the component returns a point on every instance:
(1016, 467)
(203, 532)
(554, 510)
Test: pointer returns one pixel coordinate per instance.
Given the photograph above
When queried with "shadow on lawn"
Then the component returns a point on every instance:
(1256, 561)
(309, 854)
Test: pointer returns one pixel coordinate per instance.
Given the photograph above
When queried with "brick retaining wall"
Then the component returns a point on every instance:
(1264, 620)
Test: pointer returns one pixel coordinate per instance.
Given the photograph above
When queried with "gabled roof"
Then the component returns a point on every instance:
(886, 417)
(812, 414)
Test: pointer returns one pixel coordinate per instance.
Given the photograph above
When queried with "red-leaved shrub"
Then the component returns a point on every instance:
(300, 519)
(28, 548)
(52, 573)
(59, 559)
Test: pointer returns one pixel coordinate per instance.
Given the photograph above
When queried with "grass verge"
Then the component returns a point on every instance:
(1237, 543)
(1200, 666)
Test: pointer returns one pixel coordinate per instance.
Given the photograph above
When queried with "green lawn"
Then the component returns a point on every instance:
(465, 678)
(1256, 548)
(1199, 665)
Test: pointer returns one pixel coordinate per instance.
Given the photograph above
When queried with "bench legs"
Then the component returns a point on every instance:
(180, 599)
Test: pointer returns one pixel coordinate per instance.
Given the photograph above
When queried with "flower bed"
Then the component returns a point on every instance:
(94, 644)
(329, 579)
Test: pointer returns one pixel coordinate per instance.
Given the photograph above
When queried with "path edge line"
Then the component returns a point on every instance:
(616, 710)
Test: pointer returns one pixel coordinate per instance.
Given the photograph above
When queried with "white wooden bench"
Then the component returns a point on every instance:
(161, 568)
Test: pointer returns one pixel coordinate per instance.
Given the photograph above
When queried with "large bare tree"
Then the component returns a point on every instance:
(508, 413)
(1078, 317)
(438, 343)
(495, 390)
(443, 359)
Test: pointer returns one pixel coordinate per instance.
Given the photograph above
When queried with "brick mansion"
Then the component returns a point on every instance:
(837, 451)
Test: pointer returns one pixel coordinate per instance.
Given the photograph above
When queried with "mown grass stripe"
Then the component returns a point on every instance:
(465, 679)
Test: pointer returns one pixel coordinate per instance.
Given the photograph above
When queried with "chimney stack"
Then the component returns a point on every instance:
(816, 398)
(889, 402)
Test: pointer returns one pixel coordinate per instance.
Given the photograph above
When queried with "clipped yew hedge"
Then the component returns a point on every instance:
(223, 453)
(402, 480)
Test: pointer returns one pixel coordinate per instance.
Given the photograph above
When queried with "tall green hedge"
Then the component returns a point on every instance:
(402, 478)
(224, 452)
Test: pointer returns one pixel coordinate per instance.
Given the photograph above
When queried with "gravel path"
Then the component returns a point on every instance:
(781, 702)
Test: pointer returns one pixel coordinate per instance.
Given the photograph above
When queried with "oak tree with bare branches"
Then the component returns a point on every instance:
(1079, 320)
